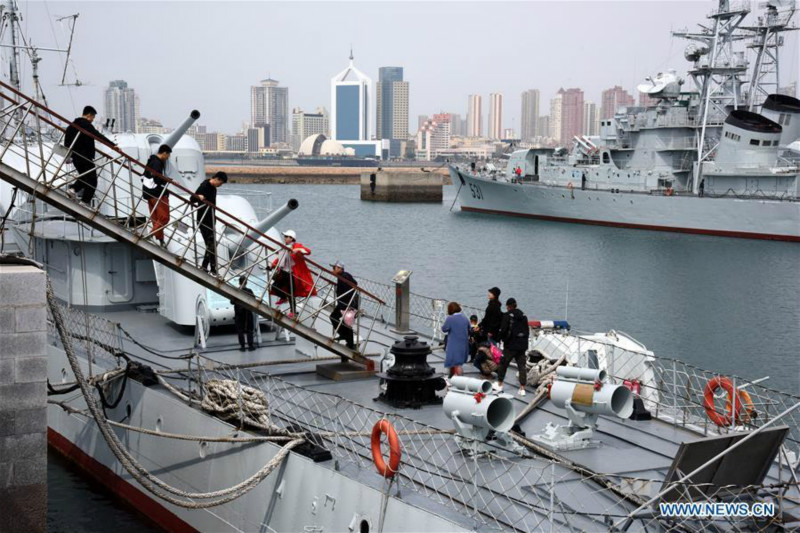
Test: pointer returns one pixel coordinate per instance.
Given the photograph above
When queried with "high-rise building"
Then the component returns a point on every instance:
(146, 125)
(543, 126)
(304, 125)
(255, 139)
(351, 93)
(530, 115)
(391, 94)
(474, 116)
(269, 104)
(614, 99)
(556, 105)
(122, 106)
(508, 133)
(421, 120)
(495, 116)
(571, 115)
(457, 125)
(236, 143)
(441, 135)
(350, 105)
(591, 121)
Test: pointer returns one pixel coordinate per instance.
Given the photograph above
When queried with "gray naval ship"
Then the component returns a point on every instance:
(721, 158)
(150, 394)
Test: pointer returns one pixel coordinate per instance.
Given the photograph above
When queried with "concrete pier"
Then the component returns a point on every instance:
(23, 399)
(389, 185)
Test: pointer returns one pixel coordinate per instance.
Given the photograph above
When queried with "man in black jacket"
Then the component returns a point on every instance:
(79, 138)
(244, 319)
(493, 316)
(514, 332)
(154, 190)
(206, 217)
(346, 298)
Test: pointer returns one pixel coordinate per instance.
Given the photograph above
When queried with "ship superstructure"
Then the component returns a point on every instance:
(720, 159)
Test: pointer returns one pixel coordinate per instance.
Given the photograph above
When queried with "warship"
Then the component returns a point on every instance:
(722, 158)
(150, 394)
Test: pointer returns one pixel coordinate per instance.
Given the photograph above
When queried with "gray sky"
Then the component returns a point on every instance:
(205, 55)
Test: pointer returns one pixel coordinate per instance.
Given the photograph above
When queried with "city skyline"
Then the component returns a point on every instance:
(209, 80)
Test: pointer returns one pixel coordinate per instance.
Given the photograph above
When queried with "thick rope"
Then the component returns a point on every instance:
(150, 482)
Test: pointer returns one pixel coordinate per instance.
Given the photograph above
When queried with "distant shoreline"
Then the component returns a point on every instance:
(305, 175)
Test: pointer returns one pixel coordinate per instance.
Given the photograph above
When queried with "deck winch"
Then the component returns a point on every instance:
(476, 412)
(411, 381)
(584, 395)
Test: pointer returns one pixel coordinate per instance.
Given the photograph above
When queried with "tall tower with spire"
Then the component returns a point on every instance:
(351, 98)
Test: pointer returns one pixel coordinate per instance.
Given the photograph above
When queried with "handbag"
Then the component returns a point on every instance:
(349, 318)
(497, 355)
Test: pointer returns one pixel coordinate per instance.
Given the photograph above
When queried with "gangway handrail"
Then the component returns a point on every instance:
(172, 182)
(123, 219)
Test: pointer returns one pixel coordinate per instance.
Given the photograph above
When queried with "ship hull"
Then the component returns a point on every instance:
(728, 217)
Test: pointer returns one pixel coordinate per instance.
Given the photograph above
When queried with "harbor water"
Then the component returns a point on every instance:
(727, 304)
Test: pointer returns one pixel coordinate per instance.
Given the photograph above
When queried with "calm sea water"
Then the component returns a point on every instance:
(730, 305)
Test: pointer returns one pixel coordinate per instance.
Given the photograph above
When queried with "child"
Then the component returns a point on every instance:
(476, 337)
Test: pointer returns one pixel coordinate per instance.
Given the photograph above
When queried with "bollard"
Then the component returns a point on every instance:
(402, 307)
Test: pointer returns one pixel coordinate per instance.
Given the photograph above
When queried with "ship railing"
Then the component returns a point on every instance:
(31, 135)
(501, 490)
(95, 337)
(426, 314)
(674, 391)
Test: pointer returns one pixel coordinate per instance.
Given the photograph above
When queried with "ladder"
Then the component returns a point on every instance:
(33, 159)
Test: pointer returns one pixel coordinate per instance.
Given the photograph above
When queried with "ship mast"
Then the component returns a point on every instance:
(717, 75)
(767, 40)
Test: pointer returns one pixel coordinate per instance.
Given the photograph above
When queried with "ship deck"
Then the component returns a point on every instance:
(502, 490)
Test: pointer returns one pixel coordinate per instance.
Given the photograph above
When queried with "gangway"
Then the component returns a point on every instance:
(33, 159)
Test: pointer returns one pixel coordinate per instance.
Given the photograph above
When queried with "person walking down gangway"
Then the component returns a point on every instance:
(492, 317)
(79, 138)
(346, 308)
(456, 326)
(155, 191)
(293, 277)
(207, 217)
(514, 333)
(244, 319)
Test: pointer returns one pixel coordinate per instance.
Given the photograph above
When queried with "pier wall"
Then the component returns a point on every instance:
(401, 186)
(23, 399)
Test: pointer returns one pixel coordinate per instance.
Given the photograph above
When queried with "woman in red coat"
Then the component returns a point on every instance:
(293, 278)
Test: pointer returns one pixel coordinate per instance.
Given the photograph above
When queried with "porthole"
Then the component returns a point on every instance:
(63, 375)
(203, 449)
(159, 424)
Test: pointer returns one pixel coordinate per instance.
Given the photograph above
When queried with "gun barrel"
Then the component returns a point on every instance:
(172, 139)
(270, 220)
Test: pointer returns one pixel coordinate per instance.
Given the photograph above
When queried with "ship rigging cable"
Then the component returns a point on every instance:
(137, 471)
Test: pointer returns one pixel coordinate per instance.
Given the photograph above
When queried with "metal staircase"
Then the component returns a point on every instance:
(33, 159)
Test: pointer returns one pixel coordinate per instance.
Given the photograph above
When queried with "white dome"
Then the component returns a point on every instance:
(311, 145)
(330, 147)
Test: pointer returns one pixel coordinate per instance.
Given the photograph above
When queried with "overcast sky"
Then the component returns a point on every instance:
(206, 55)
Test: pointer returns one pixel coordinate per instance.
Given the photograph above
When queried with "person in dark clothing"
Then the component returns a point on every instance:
(493, 316)
(476, 337)
(154, 190)
(346, 299)
(244, 319)
(514, 332)
(206, 217)
(79, 138)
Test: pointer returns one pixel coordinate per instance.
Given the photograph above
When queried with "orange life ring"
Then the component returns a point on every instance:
(722, 420)
(384, 426)
(747, 403)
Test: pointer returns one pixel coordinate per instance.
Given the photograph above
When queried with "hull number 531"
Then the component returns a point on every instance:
(476, 191)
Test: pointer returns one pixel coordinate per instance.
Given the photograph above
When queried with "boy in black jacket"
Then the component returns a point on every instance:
(154, 190)
(514, 332)
(81, 142)
(492, 317)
